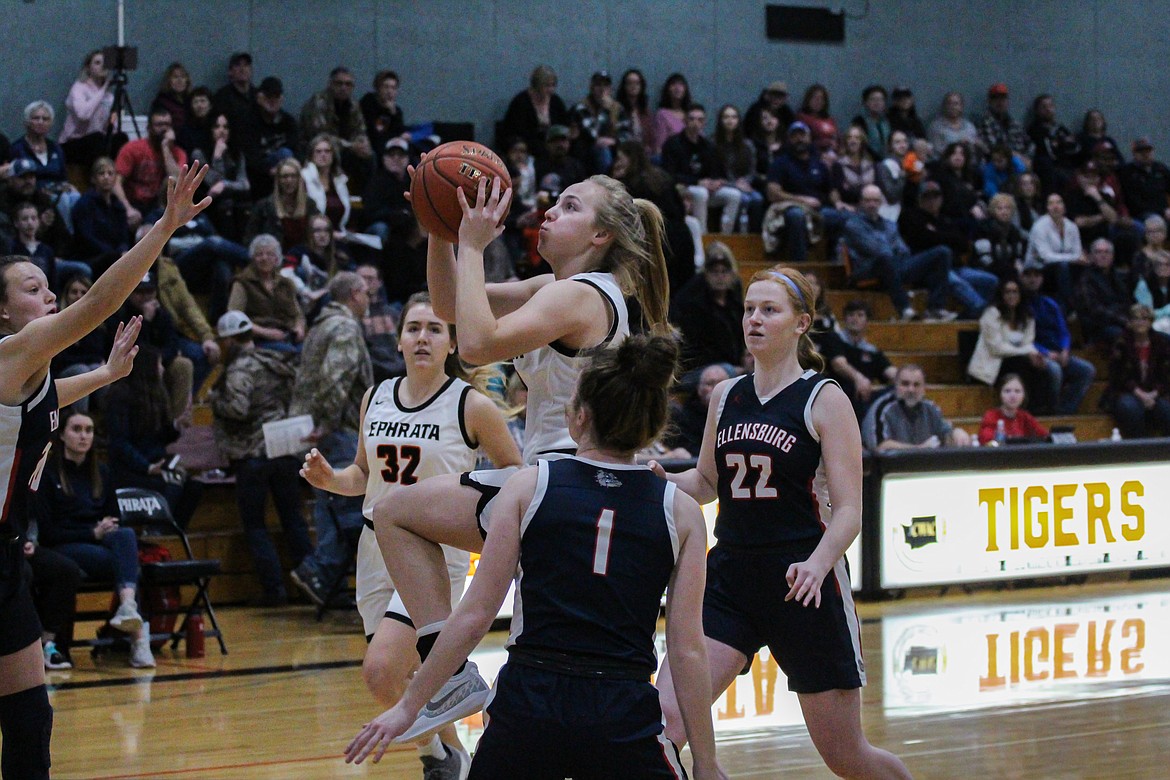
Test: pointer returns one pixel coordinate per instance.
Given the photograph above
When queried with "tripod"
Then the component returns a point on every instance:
(121, 98)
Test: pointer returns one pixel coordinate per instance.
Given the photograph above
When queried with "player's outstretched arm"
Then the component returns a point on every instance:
(118, 365)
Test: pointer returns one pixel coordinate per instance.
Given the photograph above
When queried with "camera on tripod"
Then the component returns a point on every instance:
(118, 60)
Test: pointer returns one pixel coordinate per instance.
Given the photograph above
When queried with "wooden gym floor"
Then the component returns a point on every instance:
(1057, 682)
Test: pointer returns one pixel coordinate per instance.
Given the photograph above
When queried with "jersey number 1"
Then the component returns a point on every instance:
(601, 547)
(403, 473)
(761, 463)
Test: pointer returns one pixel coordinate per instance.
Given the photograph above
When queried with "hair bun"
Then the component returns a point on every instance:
(650, 361)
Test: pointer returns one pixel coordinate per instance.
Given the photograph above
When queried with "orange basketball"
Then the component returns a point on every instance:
(441, 171)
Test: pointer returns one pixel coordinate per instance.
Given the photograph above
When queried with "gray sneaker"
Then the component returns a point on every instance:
(126, 619)
(305, 578)
(462, 695)
(454, 767)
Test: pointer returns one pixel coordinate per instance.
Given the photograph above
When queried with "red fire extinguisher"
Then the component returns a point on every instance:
(195, 635)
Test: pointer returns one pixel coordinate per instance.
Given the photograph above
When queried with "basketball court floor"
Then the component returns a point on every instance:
(1054, 682)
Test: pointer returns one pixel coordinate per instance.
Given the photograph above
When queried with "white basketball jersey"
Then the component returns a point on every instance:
(551, 376)
(407, 444)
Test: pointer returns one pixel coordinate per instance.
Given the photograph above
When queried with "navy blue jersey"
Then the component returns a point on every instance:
(26, 432)
(597, 549)
(767, 456)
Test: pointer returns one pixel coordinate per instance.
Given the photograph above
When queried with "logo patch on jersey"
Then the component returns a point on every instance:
(608, 479)
(54, 419)
(921, 531)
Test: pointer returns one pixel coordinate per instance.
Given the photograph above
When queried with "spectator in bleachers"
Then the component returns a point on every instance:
(1055, 242)
(285, 213)
(814, 112)
(27, 220)
(1094, 131)
(801, 182)
(877, 251)
(689, 419)
(1000, 171)
(1007, 344)
(693, 162)
(709, 312)
(276, 137)
(384, 204)
(903, 114)
(1018, 422)
(1097, 210)
(860, 366)
(643, 179)
(237, 97)
(101, 232)
(1103, 297)
(268, 298)
(600, 122)
(406, 263)
(47, 157)
(1153, 289)
(1145, 182)
(381, 112)
(334, 113)
(88, 352)
(1000, 246)
(226, 181)
(53, 579)
(962, 186)
(312, 264)
(139, 427)
(557, 169)
(769, 143)
(952, 127)
(907, 419)
(1056, 148)
(144, 165)
(924, 227)
(87, 114)
(21, 187)
(330, 383)
(890, 176)
(326, 183)
(873, 119)
(1069, 377)
(670, 118)
(256, 388)
(174, 95)
(1030, 202)
(999, 128)
(380, 326)
(635, 101)
(773, 98)
(738, 158)
(853, 169)
(196, 133)
(195, 338)
(534, 111)
(1138, 394)
(77, 516)
(1153, 246)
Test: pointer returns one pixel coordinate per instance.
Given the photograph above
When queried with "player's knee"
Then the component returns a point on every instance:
(385, 680)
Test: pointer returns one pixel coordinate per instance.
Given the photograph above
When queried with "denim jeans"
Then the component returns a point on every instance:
(113, 557)
(974, 289)
(1070, 383)
(255, 479)
(335, 517)
(796, 231)
(1135, 421)
(930, 269)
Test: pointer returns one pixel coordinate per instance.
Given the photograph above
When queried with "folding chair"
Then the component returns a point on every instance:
(148, 513)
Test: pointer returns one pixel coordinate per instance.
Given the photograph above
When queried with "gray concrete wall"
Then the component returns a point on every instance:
(462, 60)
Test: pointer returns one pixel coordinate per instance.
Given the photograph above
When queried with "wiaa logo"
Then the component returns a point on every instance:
(921, 531)
(608, 479)
(146, 506)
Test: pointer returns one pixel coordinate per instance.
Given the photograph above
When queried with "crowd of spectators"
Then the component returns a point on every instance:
(1039, 233)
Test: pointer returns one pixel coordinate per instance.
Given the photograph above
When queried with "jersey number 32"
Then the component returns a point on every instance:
(400, 462)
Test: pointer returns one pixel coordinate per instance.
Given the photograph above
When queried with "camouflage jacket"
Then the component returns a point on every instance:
(335, 371)
(319, 115)
(256, 388)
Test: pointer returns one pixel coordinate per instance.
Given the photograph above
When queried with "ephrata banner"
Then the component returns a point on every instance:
(997, 525)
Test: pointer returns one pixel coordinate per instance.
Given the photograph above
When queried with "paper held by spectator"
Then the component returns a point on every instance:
(287, 437)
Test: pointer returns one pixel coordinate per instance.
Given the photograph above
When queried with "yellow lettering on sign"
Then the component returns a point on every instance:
(1097, 504)
(1060, 513)
(1035, 525)
(1135, 512)
(1050, 515)
(992, 497)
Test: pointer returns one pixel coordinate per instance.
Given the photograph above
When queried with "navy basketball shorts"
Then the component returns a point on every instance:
(818, 648)
(19, 624)
(547, 725)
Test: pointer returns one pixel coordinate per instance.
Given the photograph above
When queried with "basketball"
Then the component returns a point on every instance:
(443, 170)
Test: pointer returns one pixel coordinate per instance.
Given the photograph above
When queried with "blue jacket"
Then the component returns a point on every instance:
(1051, 329)
(871, 240)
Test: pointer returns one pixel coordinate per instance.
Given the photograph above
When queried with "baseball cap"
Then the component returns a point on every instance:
(271, 86)
(600, 77)
(21, 166)
(997, 90)
(778, 86)
(1141, 143)
(238, 57)
(798, 127)
(396, 143)
(556, 131)
(233, 323)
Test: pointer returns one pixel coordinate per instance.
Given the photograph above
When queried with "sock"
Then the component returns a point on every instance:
(433, 748)
(26, 720)
(427, 636)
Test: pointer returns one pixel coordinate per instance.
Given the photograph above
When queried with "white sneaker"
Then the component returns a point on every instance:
(140, 655)
(941, 315)
(126, 619)
(908, 314)
(462, 695)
